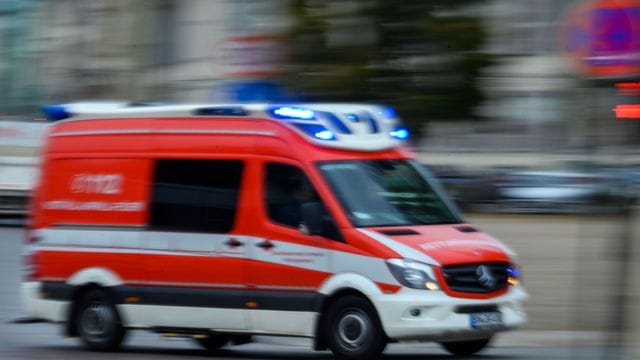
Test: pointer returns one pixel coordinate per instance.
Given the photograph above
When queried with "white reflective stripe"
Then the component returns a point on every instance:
(221, 319)
(291, 254)
(317, 258)
(114, 250)
(372, 268)
(123, 241)
(402, 249)
(135, 240)
(163, 131)
(270, 322)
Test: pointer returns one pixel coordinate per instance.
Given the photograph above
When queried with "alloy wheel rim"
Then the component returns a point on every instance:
(96, 320)
(353, 328)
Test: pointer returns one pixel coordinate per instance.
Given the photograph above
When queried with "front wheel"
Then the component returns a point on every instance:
(98, 323)
(465, 348)
(353, 330)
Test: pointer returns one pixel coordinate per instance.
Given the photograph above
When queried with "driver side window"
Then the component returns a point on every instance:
(287, 189)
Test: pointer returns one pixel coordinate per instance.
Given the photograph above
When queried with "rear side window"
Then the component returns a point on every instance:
(195, 195)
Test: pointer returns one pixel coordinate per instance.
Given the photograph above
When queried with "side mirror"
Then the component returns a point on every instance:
(312, 218)
(316, 221)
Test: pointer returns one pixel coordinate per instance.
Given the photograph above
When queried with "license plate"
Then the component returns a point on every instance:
(485, 320)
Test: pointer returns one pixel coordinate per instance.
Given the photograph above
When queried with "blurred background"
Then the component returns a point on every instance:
(527, 111)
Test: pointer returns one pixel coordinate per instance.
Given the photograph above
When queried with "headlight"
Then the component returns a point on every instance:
(413, 274)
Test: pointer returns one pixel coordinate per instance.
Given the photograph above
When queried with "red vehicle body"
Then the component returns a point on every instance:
(222, 221)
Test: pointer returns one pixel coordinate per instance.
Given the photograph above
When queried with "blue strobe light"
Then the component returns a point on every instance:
(55, 112)
(324, 135)
(388, 112)
(317, 131)
(292, 113)
(400, 133)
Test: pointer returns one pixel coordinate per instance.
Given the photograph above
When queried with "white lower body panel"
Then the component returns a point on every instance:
(149, 316)
(298, 323)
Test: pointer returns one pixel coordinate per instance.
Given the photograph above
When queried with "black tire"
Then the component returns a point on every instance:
(97, 321)
(352, 329)
(465, 348)
(213, 343)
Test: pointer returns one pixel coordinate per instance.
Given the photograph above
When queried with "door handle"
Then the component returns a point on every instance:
(233, 242)
(265, 245)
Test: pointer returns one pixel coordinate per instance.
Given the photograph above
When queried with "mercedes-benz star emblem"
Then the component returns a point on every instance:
(485, 277)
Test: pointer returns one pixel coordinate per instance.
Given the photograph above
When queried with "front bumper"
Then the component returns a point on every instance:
(438, 319)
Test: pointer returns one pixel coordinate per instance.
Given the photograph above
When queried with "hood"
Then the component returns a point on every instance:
(442, 244)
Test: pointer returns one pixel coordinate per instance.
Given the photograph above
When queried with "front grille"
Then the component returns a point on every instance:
(472, 309)
(476, 278)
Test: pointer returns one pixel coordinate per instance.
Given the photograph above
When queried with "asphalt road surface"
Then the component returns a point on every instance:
(43, 341)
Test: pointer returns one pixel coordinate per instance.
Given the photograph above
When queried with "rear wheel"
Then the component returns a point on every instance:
(352, 329)
(465, 348)
(98, 322)
(213, 342)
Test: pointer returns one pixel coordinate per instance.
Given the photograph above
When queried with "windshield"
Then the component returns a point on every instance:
(387, 193)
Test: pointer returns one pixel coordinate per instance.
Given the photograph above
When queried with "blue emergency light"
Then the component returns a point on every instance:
(325, 135)
(513, 272)
(55, 112)
(292, 113)
(352, 117)
(388, 112)
(400, 133)
(317, 131)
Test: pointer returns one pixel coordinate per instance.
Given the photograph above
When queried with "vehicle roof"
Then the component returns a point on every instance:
(339, 127)
(359, 127)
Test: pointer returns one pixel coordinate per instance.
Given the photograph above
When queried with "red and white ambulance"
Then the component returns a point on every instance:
(226, 221)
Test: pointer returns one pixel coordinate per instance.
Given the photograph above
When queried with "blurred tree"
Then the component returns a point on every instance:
(421, 56)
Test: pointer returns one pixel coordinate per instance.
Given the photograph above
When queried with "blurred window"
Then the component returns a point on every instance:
(195, 195)
(388, 193)
(287, 189)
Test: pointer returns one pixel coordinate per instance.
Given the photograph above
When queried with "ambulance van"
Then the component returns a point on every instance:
(220, 222)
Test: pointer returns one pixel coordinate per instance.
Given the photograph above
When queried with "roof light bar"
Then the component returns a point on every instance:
(292, 113)
(373, 124)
